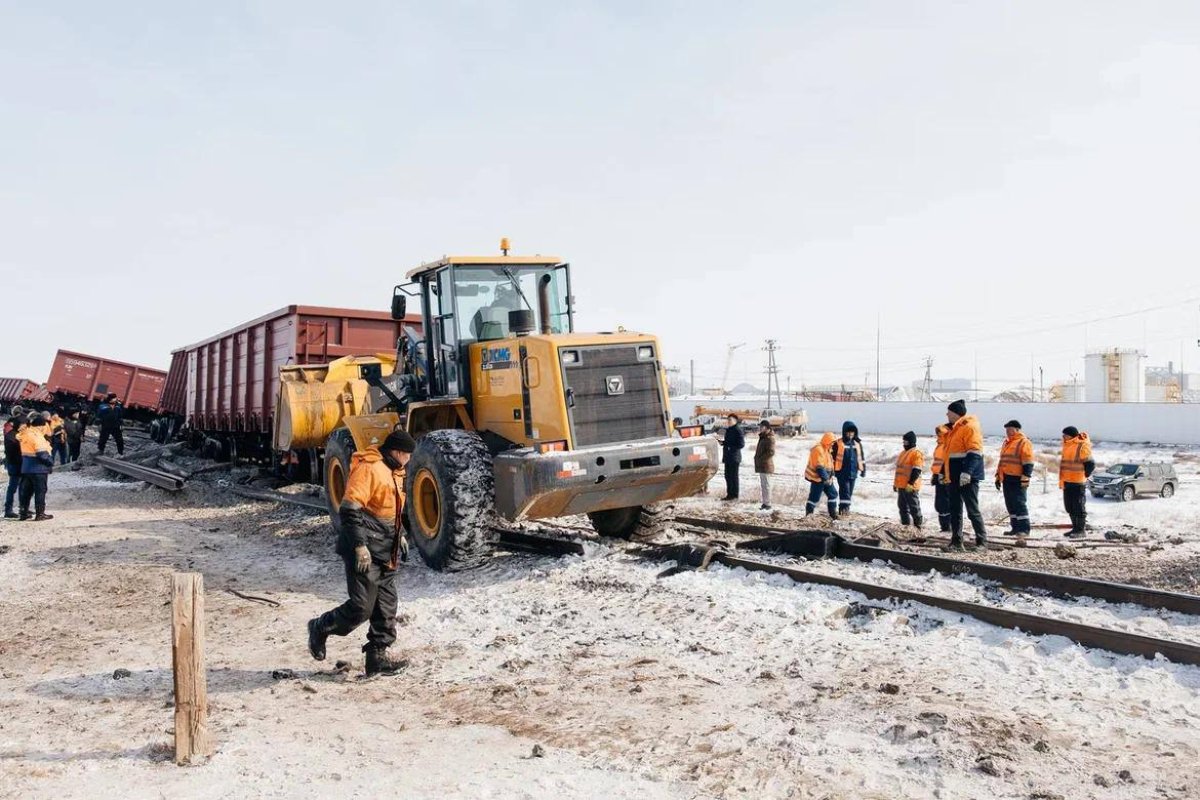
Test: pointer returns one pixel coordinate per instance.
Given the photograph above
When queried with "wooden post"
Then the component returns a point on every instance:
(192, 743)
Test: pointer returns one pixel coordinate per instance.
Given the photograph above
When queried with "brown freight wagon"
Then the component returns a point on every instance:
(223, 390)
(77, 376)
(14, 390)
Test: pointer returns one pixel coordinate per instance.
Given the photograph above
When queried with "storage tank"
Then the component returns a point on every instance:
(1115, 376)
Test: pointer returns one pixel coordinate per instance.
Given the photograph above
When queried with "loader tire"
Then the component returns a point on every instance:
(633, 523)
(338, 450)
(451, 497)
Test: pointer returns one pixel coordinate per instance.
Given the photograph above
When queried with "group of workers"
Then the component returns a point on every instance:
(957, 469)
(36, 441)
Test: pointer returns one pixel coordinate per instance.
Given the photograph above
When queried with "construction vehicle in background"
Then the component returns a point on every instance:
(784, 423)
(514, 413)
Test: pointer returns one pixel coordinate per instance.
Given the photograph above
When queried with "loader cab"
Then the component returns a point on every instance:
(469, 299)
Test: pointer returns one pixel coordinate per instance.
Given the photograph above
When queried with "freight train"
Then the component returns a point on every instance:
(220, 393)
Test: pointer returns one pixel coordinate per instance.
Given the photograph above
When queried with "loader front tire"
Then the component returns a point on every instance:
(450, 500)
(633, 523)
(338, 450)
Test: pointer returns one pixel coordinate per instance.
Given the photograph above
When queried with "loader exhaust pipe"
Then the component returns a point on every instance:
(544, 303)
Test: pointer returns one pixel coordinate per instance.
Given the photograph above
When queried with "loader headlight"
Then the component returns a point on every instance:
(645, 353)
(570, 356)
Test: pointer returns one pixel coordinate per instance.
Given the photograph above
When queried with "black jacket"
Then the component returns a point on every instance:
(12, 449)
(109, 415)
(731, 448)
(74, 429)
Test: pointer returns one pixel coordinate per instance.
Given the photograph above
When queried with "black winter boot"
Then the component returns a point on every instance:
(381, 662)
(319, 629)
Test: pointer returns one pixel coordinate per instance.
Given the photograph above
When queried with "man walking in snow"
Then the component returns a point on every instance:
(731, 455)
(370, 542)
(907, 481)
(819, 474)
(964, 457)
(764, 461)
(1075, 466)
(848, 464)
(1012, 477)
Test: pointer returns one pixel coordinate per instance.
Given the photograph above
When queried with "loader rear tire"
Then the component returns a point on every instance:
(451, 497)
(338, 450)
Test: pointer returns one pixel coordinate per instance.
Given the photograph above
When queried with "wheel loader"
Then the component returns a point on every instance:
(515, 414)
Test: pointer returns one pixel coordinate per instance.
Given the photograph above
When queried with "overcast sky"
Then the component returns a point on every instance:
(982, 177)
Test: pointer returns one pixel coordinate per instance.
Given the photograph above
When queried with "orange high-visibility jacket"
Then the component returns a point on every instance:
(939, 451)
(964, 447)
(1075, 452)
(33, 440)
(820, 460)
(374, 487)
(840, 456)
(1015, 455)
(908, 460)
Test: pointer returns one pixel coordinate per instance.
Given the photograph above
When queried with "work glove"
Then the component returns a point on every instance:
(999, 485)
(1024, 483)
(362, 559)
(894, 489)
(964, 479)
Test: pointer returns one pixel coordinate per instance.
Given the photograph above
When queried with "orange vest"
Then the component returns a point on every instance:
(905, 463)
(939, 451)
(841, 454)
(1075, 451)
(819, 456)
(1015, 453)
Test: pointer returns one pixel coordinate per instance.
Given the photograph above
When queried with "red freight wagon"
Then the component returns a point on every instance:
(229, 383)
(85, 377)
(14, 390)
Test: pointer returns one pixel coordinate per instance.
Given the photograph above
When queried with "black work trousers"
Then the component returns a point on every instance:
(33, 487)
(941, 504)
(1075, 501)
(909, 504)
(372, 598)
(731, 480)
(117, 437)
(73, 448)
(967, 496)
(1016, 502)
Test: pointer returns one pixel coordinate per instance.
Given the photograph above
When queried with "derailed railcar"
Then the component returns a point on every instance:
(82, 380)
(220, 393)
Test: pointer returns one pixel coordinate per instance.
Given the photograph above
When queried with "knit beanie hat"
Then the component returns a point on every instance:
(1070, 431)
(958, 407)
(1012, 423)
(398, 440)
(910, 439)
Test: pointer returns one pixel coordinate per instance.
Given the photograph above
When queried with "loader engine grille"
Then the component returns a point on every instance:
(616, 396)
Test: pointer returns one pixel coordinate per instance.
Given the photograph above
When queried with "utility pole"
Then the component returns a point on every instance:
(773, 375)
(927, 384)
(878, 351)
(692, 364)
(976, 376)
(1042, 381)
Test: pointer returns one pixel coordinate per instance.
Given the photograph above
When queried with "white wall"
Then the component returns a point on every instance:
(1162, 423)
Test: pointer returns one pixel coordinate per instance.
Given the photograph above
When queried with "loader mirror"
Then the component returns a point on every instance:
(399, 304)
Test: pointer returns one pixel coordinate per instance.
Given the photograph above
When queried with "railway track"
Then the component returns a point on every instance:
(820, 544)
(815, 544)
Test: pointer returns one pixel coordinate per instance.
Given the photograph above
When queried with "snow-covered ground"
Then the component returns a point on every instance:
(576, 677)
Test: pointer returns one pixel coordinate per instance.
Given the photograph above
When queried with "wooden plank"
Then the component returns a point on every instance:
(192, 742)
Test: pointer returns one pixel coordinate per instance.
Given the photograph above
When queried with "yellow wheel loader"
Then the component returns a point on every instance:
(514, 413)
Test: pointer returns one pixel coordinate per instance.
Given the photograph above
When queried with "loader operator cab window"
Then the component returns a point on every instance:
(486, 294)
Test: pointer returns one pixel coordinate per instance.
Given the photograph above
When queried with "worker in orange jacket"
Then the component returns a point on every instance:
(941, 496)
(370, 542)
(819, 474)
(1013, 473)
(964, 461)
(1074, 468)
(907, 482)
